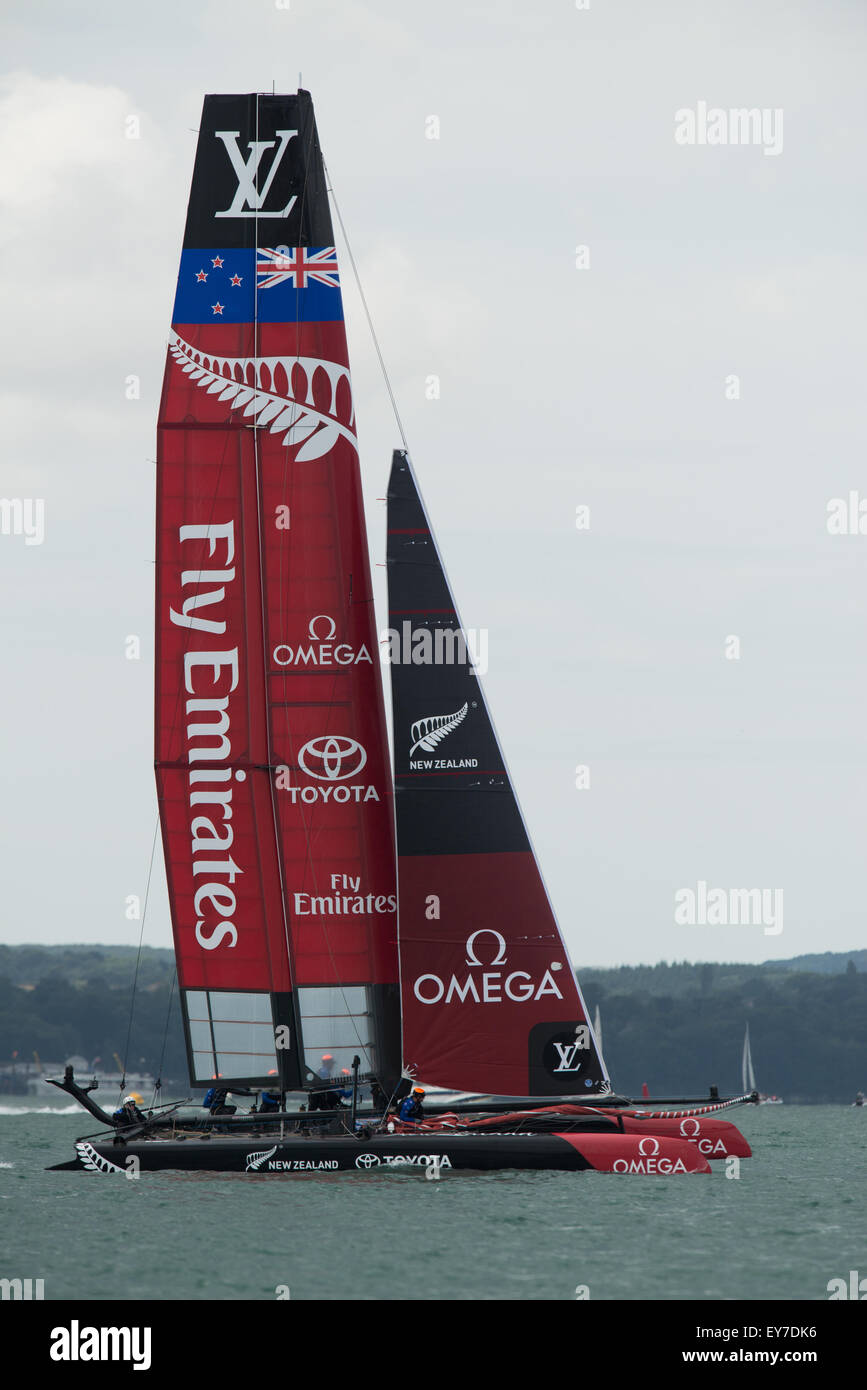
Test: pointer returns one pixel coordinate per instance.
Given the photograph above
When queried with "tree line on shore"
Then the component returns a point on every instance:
(679, 1027)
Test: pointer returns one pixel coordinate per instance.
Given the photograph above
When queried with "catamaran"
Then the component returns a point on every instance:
(323, 907)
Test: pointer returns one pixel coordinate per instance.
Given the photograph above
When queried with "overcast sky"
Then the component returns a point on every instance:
(611, 386)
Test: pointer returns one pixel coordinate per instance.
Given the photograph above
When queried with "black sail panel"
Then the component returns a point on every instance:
(489, 997)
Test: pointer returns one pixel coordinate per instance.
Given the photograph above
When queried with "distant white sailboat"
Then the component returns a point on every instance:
(748, 1076)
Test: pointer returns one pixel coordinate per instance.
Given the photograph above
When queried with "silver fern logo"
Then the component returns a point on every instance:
(427, 733)
(295, 394)
(94, 1161)
(255, 1161)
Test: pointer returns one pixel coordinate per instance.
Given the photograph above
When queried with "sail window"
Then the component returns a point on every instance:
(231, 1034)
(337, 1021)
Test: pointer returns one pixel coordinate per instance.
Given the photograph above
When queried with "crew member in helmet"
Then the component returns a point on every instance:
(412, 1107)
(128, 1112)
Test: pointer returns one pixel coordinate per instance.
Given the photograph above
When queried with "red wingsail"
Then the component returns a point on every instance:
(271, 752)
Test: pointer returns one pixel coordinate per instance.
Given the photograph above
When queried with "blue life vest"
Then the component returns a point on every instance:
(408, 1109)
(269, 1101)
(209, 1098)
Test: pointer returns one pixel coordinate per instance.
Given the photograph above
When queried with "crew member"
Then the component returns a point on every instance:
(412, 1108)
(215, 1101)
(269, 1102)
(324, 1100)
(128, 1113)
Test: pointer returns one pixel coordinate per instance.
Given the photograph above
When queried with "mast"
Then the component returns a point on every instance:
(272, 767)
(490, 1001)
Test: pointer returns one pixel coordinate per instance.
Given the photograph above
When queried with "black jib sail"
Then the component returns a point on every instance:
(489, 998)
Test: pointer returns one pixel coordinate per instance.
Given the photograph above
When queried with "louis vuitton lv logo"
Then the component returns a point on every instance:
(249, 200)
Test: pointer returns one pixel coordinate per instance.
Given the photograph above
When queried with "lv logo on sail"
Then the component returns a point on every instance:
(568, 1052)
(249, 200)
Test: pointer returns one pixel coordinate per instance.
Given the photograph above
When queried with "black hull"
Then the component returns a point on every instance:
(335, 1154)
(596, 1144)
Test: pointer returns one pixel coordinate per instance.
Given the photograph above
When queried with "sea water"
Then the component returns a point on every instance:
(792, 1220)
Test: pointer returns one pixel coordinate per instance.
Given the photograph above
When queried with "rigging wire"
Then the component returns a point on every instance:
(158, 1083)
(138, 956)
(360, 289)
(330, 187)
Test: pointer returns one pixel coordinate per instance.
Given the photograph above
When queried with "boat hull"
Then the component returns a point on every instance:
(713, 1138)
(577, 1152)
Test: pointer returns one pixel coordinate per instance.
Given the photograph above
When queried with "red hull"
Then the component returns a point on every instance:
(713, 1138)
(628, 1153)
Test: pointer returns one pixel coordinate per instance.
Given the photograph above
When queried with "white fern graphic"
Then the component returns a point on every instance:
(427, 733)
(255, 1161)
(264, 387)
(95, 1161)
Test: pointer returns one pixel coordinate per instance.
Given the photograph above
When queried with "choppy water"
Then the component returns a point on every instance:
(793, 1220)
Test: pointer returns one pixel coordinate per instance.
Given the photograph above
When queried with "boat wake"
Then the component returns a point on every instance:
(39, 1110)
